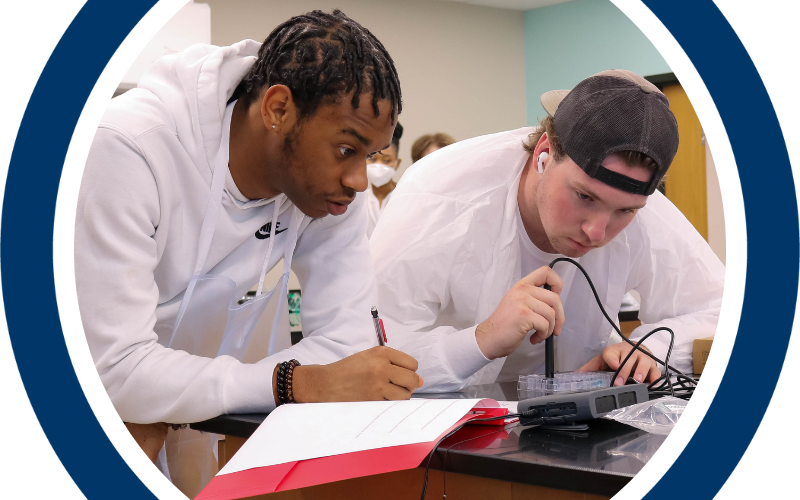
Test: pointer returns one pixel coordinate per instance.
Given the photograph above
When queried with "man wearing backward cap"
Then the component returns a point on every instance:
(462, 252)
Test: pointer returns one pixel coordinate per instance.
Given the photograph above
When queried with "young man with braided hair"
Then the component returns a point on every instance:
(462, 252)
(223, 162)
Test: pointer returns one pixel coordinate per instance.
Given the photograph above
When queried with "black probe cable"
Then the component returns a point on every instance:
(525, 414)
(637, 348)
(616, 328)
(683, 391)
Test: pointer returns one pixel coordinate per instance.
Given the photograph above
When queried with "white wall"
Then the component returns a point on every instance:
(191, 25)
(461, 67)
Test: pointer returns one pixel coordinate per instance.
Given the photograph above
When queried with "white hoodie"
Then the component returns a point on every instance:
(141, 206)
(448, 249)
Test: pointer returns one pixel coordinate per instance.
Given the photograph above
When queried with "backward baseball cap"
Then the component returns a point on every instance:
(610, 112)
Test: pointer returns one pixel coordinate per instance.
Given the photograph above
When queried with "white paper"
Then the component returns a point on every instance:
(314, 430)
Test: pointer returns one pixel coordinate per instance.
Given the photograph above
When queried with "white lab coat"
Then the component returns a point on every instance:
(142, 201)
(447, 250)
(374, 209)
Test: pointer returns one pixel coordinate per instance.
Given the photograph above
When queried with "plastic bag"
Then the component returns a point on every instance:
(640, 449)
(658, 416)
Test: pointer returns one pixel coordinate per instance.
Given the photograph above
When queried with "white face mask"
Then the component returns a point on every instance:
(379, 174)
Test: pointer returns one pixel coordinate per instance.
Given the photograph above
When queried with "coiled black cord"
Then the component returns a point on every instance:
(666, 379)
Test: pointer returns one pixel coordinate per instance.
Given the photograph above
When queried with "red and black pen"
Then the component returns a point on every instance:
(379, 330)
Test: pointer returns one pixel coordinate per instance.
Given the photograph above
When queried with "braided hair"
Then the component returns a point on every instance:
(322, 57)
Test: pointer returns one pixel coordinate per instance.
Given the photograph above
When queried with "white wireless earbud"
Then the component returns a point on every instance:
(540, 162)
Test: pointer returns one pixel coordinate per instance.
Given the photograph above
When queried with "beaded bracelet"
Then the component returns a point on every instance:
(285, 374)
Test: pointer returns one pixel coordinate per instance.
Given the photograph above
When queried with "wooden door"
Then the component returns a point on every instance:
(685, 182)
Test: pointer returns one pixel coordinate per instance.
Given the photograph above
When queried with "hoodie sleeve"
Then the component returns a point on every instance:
(680, 281)
(424, 243)
(115, 257)
(333, 266)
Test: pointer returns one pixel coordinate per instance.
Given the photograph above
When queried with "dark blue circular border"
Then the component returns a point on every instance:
(26, 249)
(770, 204)
(57, 101)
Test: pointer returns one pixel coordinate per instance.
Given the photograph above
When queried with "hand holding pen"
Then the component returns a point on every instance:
(376, 374)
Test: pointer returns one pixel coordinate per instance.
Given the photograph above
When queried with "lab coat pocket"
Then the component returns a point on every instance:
(248, 330)
(200, 329)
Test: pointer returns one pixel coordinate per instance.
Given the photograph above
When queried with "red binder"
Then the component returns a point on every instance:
(305, 473)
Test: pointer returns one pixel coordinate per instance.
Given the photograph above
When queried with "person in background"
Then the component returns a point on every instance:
(380, 171)
(429, 143)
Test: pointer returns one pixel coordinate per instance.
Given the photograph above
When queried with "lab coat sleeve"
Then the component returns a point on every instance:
(421, 245)
(680, 280)
(332, 263)
(115, 257)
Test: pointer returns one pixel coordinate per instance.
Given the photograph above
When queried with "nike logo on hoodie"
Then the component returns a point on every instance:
(264, 231)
